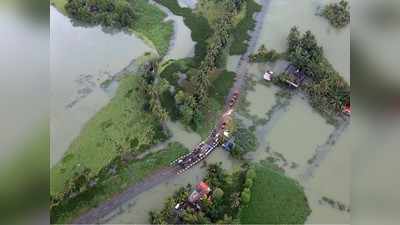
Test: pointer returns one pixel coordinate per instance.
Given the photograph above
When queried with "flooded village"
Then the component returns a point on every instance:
(290, 134)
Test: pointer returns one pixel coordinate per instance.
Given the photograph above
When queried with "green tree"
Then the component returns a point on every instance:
(245, 196)
(248, 183)
(218, 193)
(180, 97)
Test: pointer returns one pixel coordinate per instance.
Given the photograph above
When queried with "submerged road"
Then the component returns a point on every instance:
(199, 153)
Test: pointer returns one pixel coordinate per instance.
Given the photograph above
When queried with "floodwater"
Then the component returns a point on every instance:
(80, 60)
(187, 3)
(296, 132)
(332, 180)
(284, 14)
(182, 45)
(137, 209)
(261, 99)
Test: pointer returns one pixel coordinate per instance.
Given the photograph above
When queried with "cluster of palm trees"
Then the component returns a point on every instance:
(219, 41)
(328, 91)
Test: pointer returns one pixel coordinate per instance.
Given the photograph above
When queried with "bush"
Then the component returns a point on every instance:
(218, 193)
(248, 183)
(245, 196)
(245, 141)
(338, 14)
(263, 55)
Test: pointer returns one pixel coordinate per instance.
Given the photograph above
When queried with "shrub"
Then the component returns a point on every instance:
(338, 14)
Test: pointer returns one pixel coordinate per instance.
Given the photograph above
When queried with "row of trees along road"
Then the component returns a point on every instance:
(219, 41)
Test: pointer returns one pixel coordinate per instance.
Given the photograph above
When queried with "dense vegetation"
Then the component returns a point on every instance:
(240, 32)
(263, 55)
(129, 125)
(328, 91)
(275, 199)
(121, 126)
(229, 193)
(87, 189)
(245, 141)
(118, 14)
(138, 15)
(338, 14)
(196, 107)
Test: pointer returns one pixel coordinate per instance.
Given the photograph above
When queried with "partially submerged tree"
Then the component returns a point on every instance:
(338, 14)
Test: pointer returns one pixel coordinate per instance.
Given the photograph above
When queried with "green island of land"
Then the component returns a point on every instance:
(275, 199)
(137, 16)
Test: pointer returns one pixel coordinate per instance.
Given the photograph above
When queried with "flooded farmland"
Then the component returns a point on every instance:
(291, 133)
(295, 133)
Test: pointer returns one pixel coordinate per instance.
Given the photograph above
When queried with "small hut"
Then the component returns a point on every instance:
(201, 191)
(295, 76)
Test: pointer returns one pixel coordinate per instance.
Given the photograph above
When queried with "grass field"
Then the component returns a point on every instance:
(120, 126)
(275, 199)
(150, 23)
(135, 172)
(240, 35)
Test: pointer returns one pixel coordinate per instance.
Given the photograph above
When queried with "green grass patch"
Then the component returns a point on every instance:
(133, 173)
(120, 126)
(59, 5)
(199, 26)
(150, 23)
(275, 199)
(240, 35)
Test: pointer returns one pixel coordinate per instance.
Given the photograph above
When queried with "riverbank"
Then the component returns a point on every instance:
(110, 132)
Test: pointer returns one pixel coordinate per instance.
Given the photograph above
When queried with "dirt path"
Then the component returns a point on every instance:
(95, 214)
